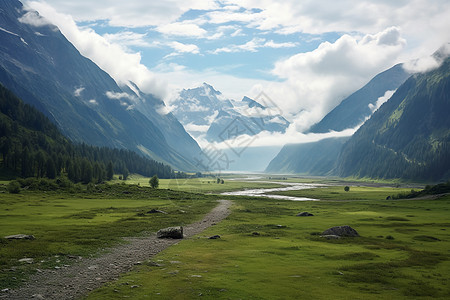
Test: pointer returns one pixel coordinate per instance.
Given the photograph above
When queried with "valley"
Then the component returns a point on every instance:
(264, 249)
(224, 150)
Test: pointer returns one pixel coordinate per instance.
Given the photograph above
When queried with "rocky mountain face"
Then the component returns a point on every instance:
(44, 69)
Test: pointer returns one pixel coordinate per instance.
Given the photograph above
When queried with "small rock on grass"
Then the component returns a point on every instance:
(304, 214)
(20, 236)
(214, 237)
(341, 231)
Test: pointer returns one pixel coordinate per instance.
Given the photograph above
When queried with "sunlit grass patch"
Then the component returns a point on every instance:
(80, 224)
(287, 258)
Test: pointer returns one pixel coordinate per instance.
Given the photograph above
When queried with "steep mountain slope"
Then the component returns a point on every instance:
(32, 146)
(409, 136)
(40, 66)
(316, 158)
(206, 113)
(354, 109)
(351, 112)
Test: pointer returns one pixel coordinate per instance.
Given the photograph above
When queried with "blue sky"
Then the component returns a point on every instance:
(305, 55)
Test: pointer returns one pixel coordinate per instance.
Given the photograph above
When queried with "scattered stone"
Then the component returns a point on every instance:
(255, 233)
(94, 267)
(20, 237)
(73, 257)
(170, 233)
(304, 214)
(26, 260)
(345, 230)
(196, 276)
(5, 290)
(156, 211)
(388, 198)
(154, 264)
(281, 226)
(38, 296)
(214, 237)
(134, 286)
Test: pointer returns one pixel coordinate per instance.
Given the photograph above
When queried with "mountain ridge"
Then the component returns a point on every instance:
(41, 67)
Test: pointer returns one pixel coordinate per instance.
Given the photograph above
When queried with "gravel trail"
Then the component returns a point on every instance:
(85, 275)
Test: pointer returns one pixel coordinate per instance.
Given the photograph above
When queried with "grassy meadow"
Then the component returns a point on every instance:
(355, 193)
(82, 223)
(267, 252)
(205, 185)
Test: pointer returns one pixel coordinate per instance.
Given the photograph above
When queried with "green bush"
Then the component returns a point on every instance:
(14, 187)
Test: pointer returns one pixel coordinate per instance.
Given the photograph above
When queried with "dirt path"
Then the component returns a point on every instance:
(88, 274)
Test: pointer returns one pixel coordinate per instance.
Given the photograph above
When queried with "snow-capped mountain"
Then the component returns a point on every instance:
(207, 114)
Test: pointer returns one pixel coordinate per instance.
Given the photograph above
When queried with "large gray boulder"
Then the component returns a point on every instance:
(345, 230)
(170, 233)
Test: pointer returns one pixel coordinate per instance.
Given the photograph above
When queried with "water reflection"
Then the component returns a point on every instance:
(288, 186)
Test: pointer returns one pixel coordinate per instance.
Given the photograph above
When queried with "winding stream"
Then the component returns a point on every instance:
(288, 186)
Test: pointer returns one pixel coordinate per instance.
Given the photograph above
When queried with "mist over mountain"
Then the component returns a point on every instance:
(356, 108)
(40, 66)
(319, 158)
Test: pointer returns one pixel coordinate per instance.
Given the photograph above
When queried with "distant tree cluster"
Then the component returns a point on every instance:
(32, 146)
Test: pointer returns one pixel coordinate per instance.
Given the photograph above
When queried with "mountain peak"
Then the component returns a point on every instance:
(252, 103)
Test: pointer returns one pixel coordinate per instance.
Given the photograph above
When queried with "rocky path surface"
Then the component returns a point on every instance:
(86, 275)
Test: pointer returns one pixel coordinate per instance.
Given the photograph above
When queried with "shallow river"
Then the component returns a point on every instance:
(288, 186)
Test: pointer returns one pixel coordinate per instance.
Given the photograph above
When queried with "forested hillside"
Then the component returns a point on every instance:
(40, 66)
(409, 136)
(32, 146)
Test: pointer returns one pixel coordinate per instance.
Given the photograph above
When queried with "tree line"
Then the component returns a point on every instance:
(32, 146)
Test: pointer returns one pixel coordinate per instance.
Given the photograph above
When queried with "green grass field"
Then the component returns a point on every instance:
(403, 253)
(265, 251)
(198, 185)
(355, 193)
(81, 224)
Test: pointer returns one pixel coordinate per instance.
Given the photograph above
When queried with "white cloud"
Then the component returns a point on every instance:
(93, 101)
(266, 138)
(128, 38)
(123, 66)
(184, 48)
(191, 127)
(119, 96)
(34, 19)
(78, 91)
(253, 46)
(317, 81)
(130, 13)
(381, 100)
(429, 62)
(179, 76)
(187, 29)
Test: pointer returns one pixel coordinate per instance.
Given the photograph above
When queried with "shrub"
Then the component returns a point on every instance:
(347, 188)
(14, 187)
